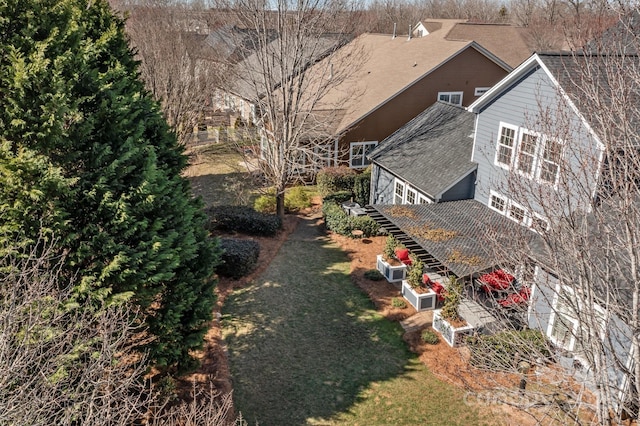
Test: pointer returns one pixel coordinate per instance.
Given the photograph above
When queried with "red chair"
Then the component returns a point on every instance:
(403, 256)
(426, 280)
(515, 299)
(439, 290)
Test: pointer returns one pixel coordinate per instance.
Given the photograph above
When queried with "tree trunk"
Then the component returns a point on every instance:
(280, 203)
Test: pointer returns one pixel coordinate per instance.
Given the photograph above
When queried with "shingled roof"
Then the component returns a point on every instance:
(508, 42)
(432, 151)
(455, 233)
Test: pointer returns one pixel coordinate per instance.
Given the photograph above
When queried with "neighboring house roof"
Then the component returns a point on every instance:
(468, 224)
(233, 43)
(622, 37)
(432, 151)
(250, 83)
(508, 42)
(387, 67)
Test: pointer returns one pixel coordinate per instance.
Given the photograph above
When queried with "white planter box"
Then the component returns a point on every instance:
(452, 335)
(420, 301)
(391, 273)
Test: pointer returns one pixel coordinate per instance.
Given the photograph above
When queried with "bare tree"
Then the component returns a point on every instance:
(59, 364)
(178, 66)
(585, 245)
(287, 78)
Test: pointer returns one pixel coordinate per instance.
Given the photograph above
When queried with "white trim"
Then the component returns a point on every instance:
(511, 207)
(365, 159)
(396, 183)
(499, 143)
(406, 195)
(422, 197)
(494, 194)
(451, 94)
(535, 157)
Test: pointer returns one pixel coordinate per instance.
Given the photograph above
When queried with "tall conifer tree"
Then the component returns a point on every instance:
(86, 157)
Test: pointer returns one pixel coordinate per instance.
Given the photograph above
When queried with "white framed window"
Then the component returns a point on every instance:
(359, 152)
(517, 213)
(527, 150)
(550, 161)
(423, 200)
(479, 91)
(506, 145)
(398, 192)
(497, 202)
(451, 97)
(323, 156)
(539, 223)
(411, 196)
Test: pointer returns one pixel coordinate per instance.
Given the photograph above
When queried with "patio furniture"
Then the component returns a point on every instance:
(515, 299)
(497, 280)
(403, 256)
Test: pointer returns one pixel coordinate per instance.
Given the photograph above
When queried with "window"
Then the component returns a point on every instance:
(480, 91)
(562, 331)
(506, 145)
(322, 156)
(550, 161)
(423, 200)
(539, 224)
(359, 153)
(497, 203)
(411, 196)
(398, 194)
(451, 97)
(527, 152)
(516, 213)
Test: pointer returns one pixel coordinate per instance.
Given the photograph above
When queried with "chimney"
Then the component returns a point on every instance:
(409, 33)
(394, 30)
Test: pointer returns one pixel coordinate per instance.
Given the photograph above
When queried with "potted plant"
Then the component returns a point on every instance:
(447, 321)
(387, 263)
(419, 296)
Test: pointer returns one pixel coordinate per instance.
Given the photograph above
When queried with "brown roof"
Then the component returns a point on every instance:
(386, 67)
(507, 42)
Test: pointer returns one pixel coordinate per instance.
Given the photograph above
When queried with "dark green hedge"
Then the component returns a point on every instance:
(244, 220)
(336, 220)
(361, 187)
(337, 197)
(239, 257)
(334, 179)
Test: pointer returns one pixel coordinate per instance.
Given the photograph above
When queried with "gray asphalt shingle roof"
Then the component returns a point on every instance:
(432, 151)
(456, 233)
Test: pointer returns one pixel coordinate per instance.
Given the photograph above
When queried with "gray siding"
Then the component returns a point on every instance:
(381, 185)
(541, 300)
(520, 106)
(463, 190)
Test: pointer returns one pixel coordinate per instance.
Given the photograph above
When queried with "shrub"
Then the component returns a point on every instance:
(498, 351)
(430, 337)
(265, 203)
(373, 275)
(297, 198)
(243, 219)
(366, 224)
(339, 222)
(452, 300)
(361, 187)
(338, 197)
(239, 257)
(333, 179)
(397, 302)
(390, 246)
(414, 276)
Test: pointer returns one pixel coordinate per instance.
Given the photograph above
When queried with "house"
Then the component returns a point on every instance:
(541, 166)
(490, 36)
(260, 72)
(427, 160)
(396, 79)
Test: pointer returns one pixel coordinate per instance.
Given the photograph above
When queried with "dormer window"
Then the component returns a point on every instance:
(550, 167)
(506, 145)
(454, 98)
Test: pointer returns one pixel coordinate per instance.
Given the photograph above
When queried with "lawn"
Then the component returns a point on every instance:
(219, 175)
(307, 347)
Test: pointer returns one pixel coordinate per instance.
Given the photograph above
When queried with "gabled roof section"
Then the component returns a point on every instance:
(432, 151)
(390, 66)
(508, 42)
(456, 233)
(250, 82)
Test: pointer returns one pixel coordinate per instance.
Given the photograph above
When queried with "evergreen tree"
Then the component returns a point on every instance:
(86, 156)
